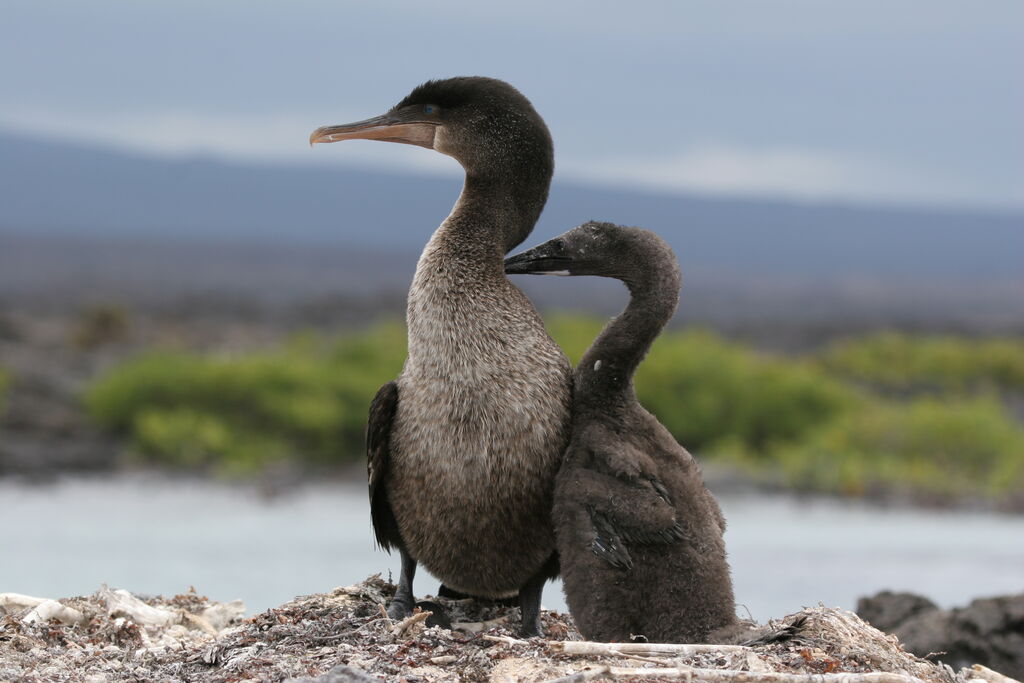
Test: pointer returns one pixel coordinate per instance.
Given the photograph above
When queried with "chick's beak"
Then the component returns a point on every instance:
(543, 260)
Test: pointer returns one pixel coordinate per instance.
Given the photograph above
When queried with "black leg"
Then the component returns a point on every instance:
(529, 604)
(402, 604)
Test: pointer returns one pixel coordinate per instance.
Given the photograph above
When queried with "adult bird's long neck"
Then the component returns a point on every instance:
(461, 269)
(607, 368)
(502, 199)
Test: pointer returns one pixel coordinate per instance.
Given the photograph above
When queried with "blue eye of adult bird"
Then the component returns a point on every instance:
(428, 109)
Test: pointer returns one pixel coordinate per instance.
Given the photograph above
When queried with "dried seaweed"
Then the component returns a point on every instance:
(345, 635)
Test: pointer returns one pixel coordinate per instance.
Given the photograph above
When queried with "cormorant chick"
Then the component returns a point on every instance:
(638, 534)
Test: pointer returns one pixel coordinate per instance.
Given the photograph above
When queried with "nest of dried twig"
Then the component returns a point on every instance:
(345, 635)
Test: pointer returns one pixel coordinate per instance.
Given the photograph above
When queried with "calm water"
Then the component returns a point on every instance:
(159, 536)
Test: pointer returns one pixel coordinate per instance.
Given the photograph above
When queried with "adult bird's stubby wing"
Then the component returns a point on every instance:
(378, 455)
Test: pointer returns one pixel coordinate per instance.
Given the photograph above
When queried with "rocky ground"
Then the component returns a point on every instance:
(989, 630)
(345, 635)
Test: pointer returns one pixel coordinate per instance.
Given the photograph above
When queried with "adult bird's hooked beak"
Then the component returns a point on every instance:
(402, 125)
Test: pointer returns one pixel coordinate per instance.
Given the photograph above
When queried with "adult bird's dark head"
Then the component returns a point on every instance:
(633, 255)
(487, 126)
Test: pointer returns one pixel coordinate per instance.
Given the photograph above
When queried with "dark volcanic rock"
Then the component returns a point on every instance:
(989, 631)
(887, 610)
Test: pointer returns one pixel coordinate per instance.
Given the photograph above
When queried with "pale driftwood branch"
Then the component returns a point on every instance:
(51, 609)
(637, 658)
(13, 601)
(122, 603)
(410, 621)
(505, 639)
(582, 647)
(983, 673)
(732, 676)
(478, 626)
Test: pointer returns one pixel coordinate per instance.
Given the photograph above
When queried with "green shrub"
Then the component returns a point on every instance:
(574, 333)
(707, 390)
(904, 363)
(941, 449)
(307, 400)
(796, 418)
(310, 399)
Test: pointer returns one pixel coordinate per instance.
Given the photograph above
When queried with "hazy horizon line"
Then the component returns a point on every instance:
(438, 166)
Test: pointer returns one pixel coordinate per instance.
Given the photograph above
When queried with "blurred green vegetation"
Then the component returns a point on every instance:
(925, 448)
(235, 414)
(707, 390)
(903, 363)
(5, 381)
(885, 413)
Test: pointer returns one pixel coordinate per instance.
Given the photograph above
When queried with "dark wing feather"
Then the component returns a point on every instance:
(378, 456)
(625, 511)
(652, 528)
(607, 543)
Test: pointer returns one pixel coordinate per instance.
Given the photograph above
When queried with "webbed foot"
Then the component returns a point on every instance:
(400, 608)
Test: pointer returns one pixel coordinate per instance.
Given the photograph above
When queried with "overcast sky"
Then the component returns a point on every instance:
(878, 101)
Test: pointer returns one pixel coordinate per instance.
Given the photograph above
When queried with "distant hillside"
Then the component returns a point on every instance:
(85, 223)
(62, 189)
